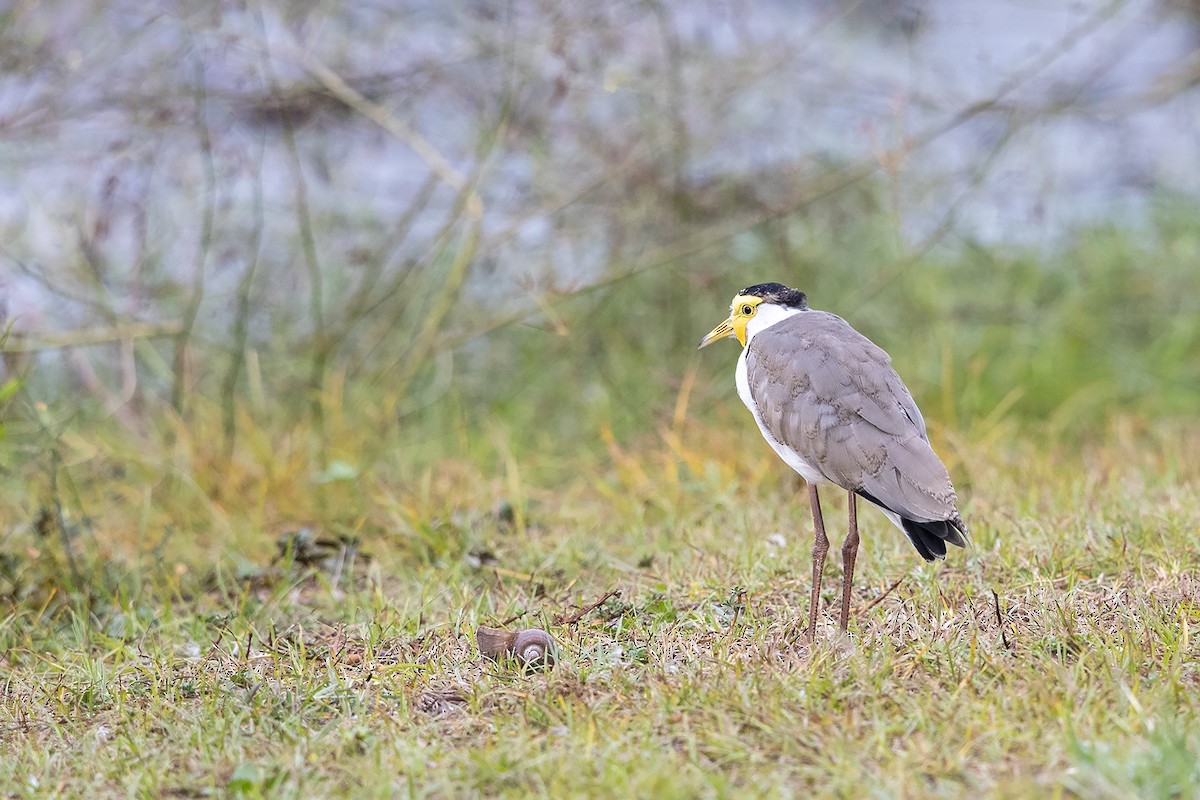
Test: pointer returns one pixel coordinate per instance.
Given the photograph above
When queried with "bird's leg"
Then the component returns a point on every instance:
(820, 548)
(849, 554)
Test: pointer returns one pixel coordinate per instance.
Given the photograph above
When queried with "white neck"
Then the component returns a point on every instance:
(767, 315)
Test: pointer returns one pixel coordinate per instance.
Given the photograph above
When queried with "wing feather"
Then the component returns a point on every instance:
(833, 396)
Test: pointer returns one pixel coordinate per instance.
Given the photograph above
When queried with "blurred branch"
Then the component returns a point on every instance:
(1036, 65)
(885, 277)
(192, 309)
(439, 246)
(27, 343)
(321, 347)
(583, 181)
(676, 96)
(1167, 85)
(241, 318)
(671, 251)
(435, 250)
(427, 335)
(699, 241)
(468, 203)
(316, 302)
(365, 294)
(631, 160)
(445, 298)
(393, 125)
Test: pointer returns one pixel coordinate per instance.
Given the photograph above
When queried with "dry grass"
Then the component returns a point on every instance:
(316, 674)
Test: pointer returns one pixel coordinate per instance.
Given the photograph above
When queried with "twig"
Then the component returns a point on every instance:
(1000, 621)
(87, 338)
(574, 618)
(881, 597)
(512, 619)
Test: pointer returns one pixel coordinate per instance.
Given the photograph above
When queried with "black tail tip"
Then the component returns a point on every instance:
(930, 538)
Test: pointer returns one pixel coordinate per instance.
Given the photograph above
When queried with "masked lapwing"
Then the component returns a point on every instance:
(829, 402)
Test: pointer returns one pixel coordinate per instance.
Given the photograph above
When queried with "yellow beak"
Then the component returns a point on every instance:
(722, 331)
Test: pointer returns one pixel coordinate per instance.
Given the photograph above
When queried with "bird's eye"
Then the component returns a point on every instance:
(747, 309)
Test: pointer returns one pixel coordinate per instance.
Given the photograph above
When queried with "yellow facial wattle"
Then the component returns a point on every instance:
(741, 311)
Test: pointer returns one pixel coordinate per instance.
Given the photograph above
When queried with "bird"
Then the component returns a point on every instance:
(831, 405)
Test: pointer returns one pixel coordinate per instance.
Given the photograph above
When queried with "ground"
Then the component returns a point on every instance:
(1055, 657)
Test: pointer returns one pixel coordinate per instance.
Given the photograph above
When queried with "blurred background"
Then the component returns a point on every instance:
(323, 244)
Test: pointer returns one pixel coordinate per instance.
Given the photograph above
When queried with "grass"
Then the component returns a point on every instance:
(359, 676)
(293, 616)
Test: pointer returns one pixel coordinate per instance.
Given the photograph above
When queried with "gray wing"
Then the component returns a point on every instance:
(833, 396)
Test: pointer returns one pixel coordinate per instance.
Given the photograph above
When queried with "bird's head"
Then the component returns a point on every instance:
(773, 300)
